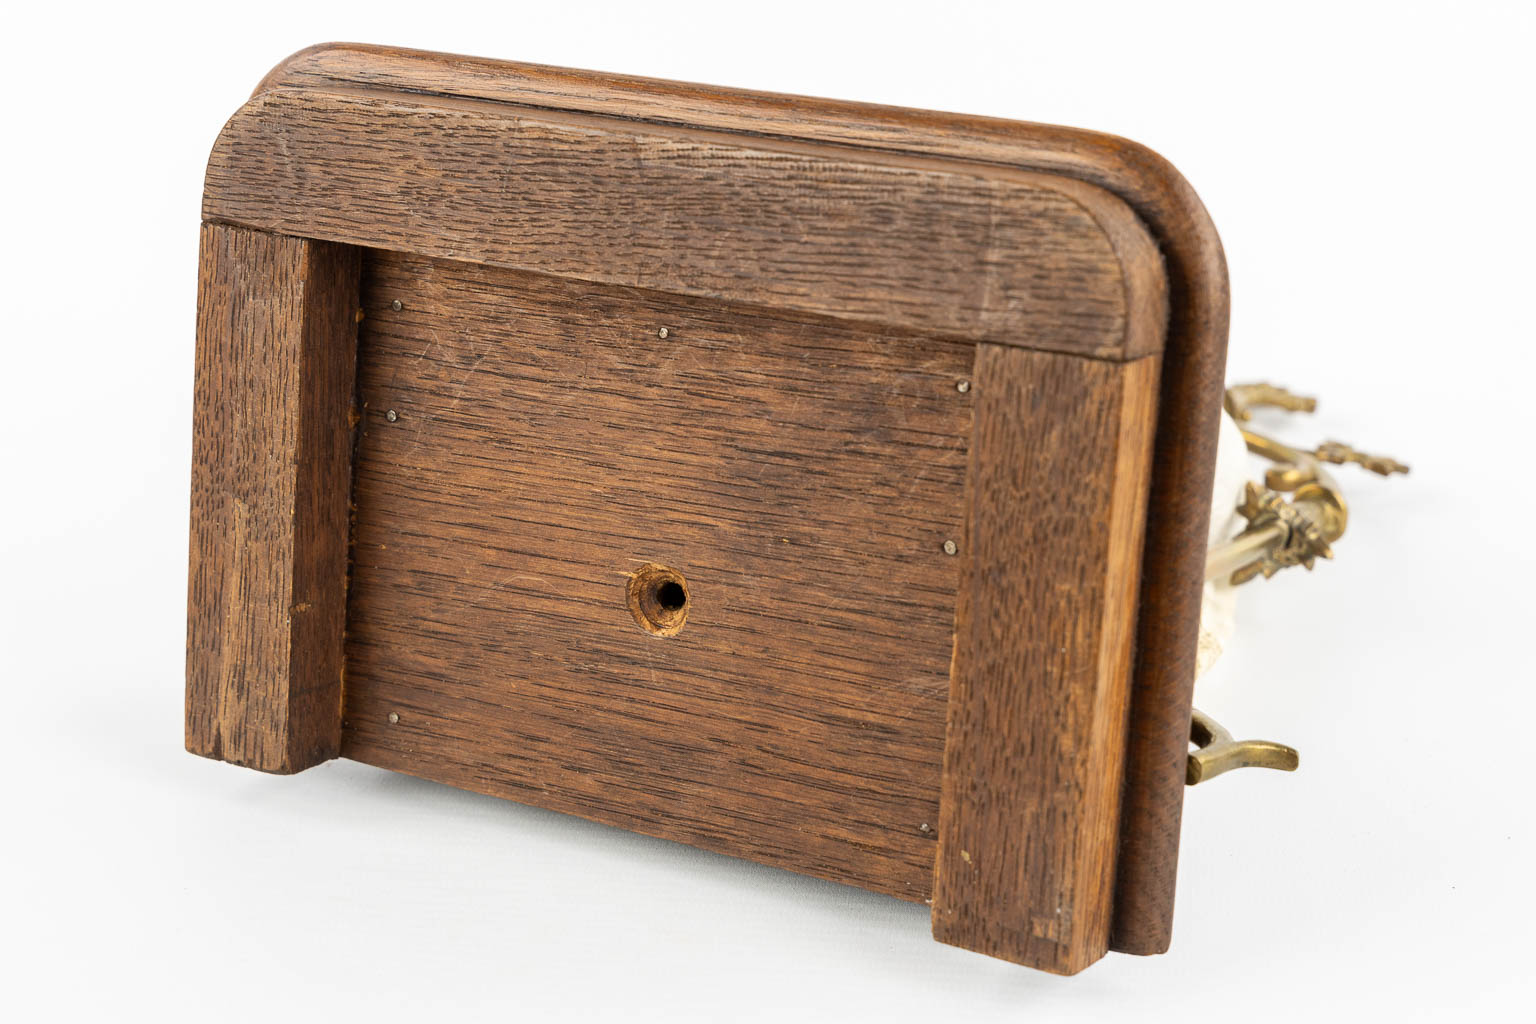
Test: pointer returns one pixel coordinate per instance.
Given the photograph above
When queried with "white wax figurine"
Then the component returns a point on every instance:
(1218, 608)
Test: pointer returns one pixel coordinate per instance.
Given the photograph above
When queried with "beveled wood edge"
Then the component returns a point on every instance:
(1192, 377)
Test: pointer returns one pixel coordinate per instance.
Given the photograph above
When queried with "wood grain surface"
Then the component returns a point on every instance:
(1192, 370)
(800, 474)
(925, 244)
(271, 470)
(1055, 508)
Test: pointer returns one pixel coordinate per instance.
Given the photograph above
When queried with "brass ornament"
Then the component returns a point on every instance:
(1285, 531)
(1294, 517)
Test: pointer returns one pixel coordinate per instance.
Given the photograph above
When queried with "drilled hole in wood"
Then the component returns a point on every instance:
(658, 599)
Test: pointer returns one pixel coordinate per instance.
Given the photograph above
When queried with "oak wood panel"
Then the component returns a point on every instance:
(1192, 371)
(962, 250)
(802, 476)
(1060, 458)
(271, 470)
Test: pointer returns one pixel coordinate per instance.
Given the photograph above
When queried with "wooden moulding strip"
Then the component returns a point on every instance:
(271, 476)
(955, 250)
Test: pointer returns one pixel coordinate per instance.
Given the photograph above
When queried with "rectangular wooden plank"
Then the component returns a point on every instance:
(1055, 510)
(271, 468)
(919, 243)
(801, 474)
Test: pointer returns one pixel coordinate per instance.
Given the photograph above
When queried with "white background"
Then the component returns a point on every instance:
(1369, 169)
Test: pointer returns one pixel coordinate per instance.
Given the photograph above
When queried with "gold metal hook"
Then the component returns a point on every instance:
(1219, 753)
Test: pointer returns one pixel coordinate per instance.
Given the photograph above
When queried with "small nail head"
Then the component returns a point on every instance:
(392, 416)
(663, 334)
(950, 547)
(394, 718)
(924, 827)
(397, 305)
(963, 386)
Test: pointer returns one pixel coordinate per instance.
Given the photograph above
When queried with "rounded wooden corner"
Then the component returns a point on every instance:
(292, 64)
(1143, 273)
(228, 131)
